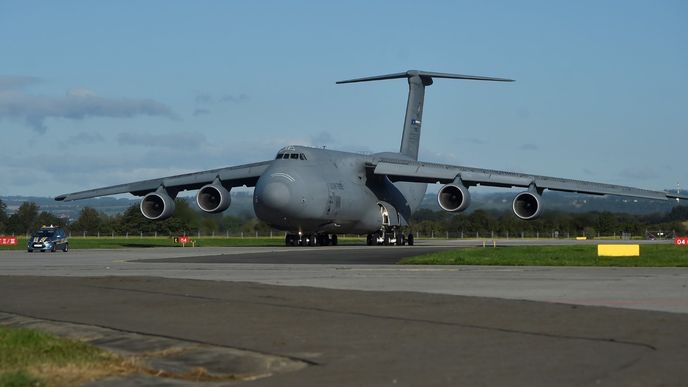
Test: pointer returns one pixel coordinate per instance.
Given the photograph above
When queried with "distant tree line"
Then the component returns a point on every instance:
(26, 220)
(502, 223)
(186, 220)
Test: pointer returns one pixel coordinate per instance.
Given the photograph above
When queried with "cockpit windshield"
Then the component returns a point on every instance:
(292, 156)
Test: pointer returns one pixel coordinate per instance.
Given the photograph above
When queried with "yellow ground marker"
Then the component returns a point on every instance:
(581, 238)
(618, 250)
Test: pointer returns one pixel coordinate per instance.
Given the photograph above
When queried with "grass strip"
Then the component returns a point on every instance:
(34, 358)
(571, 255)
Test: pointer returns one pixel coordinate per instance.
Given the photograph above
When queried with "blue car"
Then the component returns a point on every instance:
(48, 238)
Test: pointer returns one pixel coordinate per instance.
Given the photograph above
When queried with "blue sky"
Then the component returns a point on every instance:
(101, 93)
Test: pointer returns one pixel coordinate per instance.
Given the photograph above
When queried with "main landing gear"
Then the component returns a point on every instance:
(311, 240)
(387, 238)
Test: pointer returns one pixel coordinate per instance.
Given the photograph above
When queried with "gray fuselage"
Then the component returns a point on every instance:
(316, 190)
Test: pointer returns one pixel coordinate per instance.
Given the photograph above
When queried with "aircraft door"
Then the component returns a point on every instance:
(390, 215)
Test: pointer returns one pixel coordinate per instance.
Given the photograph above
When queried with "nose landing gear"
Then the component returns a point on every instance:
(389, 237)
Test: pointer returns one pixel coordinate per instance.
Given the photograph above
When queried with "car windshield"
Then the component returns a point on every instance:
(44, 233)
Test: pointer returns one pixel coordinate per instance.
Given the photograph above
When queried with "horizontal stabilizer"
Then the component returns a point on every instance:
(425, 74)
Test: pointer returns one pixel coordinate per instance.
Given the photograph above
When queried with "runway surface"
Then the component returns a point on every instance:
(358, 320)
(372, 269)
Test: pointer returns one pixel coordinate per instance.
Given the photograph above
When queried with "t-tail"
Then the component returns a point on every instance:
(418, 80)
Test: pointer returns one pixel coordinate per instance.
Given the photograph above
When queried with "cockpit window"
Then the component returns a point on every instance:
(292, 156)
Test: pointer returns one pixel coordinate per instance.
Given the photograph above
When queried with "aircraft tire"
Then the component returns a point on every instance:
(52, 249)
(65, 248)
(385, 240)
(322, 239)
(334, 240)
(400, 239)
(409, 240)
(369, 240)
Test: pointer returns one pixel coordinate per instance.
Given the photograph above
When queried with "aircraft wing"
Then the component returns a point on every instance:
(236, 176)
(416, 171)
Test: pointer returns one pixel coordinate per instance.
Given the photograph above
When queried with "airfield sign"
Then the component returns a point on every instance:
(681, 241)
(8, 240)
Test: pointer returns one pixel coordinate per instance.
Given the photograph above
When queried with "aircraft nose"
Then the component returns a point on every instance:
(275, 195)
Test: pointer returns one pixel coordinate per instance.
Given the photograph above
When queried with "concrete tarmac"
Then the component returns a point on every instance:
(488, 327)
(371, 268)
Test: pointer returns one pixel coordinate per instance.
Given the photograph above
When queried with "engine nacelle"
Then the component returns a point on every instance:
(157, 205)
(527, 205)
(213, 198)
(454, 197)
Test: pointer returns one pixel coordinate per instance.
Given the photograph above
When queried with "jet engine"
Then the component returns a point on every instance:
(157, 205)
(213, 198)
(527, 206)
(454, 197)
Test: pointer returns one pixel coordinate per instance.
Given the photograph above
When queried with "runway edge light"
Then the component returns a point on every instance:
(618, 250)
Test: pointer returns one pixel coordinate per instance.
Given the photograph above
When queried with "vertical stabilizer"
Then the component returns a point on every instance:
(410, 138)
(417, 80)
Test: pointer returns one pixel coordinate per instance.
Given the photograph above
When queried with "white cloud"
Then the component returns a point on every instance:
(77, 104)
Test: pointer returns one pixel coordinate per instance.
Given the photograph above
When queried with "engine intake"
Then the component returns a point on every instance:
(527, 206)
(454, 197)
(213, 198)
(157, 205)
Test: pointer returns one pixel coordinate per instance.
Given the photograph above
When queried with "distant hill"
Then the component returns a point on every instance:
(242, 204)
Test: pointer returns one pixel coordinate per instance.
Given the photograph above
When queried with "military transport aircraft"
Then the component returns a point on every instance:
(314, 194)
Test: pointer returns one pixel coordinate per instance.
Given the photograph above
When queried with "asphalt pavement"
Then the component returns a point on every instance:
(352, 318)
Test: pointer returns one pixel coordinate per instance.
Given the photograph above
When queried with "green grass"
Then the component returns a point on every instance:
(582, 255)
(33, 358)
(19, 379)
